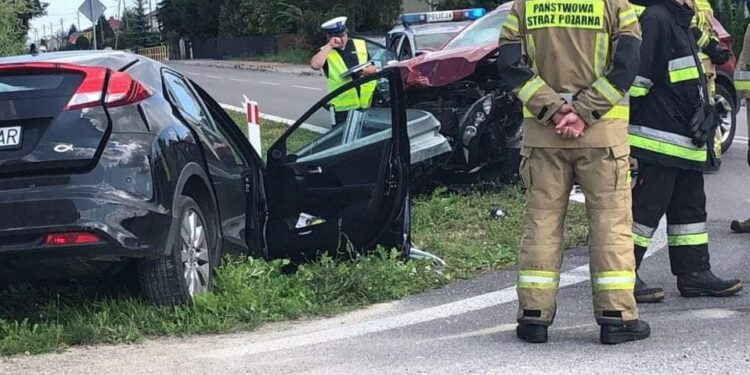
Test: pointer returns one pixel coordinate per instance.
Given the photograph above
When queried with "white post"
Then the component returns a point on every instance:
(252, 114)
(93, 23)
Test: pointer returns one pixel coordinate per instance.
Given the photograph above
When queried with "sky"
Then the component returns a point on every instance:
(67, 10)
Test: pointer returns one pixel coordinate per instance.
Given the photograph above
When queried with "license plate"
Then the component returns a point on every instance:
(439, 16)
(10, 137)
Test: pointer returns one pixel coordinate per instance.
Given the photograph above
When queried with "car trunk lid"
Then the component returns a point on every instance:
(53, 116)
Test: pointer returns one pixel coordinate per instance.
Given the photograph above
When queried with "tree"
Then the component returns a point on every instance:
(105, 33)
(82, 43)
(73, 29)
(463, 4)
(137, 32)
(10, 27)
(195, 19)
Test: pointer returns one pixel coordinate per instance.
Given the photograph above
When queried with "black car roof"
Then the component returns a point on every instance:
(114, 60)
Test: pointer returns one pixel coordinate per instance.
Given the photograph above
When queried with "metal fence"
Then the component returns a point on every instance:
(159, 53)
(246, 46)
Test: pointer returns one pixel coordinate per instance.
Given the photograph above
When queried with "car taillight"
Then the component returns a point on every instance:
(89, 91)
(123, 89)
(71, 238)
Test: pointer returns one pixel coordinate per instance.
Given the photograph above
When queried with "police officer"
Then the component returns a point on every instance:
(575, 128)
(742, 84)
(338, 56)
(670, 127)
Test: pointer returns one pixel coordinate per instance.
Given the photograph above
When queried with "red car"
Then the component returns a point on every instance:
(458, 84)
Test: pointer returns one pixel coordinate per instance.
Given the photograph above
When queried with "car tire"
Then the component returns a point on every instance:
(189, 268)
(729, 122)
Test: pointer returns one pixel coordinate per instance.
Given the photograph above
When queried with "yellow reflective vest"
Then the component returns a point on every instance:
(354, 98)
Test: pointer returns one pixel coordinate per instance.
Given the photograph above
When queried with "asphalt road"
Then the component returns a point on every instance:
(278, 94)
(468, 327)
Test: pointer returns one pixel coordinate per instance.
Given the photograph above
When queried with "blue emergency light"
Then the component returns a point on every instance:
(443, 16)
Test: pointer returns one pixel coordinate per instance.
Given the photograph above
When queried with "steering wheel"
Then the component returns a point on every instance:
(355, 69)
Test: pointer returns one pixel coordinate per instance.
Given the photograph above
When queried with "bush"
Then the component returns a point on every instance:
(10, 28)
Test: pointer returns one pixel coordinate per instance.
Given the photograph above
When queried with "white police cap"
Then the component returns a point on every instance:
(335, 26)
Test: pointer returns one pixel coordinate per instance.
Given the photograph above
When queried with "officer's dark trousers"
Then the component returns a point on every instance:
(678, 193)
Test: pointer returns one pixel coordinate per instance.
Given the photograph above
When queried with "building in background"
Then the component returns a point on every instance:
(153, 21)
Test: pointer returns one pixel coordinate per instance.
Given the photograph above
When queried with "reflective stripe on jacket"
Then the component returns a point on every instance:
(667, 90)
(538, 63)
(354, 98)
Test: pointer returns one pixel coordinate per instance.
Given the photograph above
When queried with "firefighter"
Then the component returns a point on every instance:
(711, 53)
(742, 84)
(671, 125)
(575, 127)
(336, 57)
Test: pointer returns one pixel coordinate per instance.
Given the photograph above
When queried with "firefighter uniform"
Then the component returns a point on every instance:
(710, 50)
(710, 53)
(583, 53)
(664, 97)
(742, 84)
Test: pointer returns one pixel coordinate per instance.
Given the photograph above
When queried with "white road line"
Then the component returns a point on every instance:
(741, 138)
(193, 74)
(307, 88)
(468, 305)
(278, 119)
(239, 80)
(217, 77)
(269, 83)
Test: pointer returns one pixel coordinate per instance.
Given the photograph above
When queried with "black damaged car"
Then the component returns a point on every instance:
(109, 159)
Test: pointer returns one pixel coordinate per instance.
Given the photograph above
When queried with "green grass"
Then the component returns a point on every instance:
(291, 56)
(270, 131)
(249, 292)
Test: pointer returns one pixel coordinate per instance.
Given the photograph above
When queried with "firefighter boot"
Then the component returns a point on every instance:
(705, 283)
(741, 226)
(532, 333)
(644, 294)
(612, 334)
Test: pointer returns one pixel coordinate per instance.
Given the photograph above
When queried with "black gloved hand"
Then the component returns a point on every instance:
(717, 54)
(703, 124)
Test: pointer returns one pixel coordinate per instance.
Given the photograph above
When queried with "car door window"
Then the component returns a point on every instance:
(351, 119)
(380, 54)
(182, 97)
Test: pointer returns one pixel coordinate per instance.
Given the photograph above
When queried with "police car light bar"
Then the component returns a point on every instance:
(443, 16)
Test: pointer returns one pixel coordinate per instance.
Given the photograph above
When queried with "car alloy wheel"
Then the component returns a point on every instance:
(195, 253)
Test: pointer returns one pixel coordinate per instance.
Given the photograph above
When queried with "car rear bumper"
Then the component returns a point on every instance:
(128, 226)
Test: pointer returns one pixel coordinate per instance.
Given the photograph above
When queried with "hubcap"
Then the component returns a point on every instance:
(725, 127)
(194, 253)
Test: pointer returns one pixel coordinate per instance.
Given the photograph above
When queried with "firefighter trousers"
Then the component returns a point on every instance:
(549, 174)
(678, 193)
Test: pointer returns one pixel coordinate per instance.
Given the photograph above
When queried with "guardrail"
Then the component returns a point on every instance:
(159, 53)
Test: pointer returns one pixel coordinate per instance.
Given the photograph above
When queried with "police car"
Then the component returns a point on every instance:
(428, 31)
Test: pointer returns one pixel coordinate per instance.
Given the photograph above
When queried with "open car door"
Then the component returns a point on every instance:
(337, 180)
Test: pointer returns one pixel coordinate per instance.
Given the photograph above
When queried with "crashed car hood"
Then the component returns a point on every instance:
(439, 68)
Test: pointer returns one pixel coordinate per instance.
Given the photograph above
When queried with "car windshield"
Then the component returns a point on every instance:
(433, 41)
(484, 30)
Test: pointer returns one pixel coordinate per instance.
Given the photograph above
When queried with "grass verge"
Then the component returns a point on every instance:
(249, 292)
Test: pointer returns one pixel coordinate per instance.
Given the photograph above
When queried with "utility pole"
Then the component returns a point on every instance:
(79, 21)
(119, 17)
(93, 24)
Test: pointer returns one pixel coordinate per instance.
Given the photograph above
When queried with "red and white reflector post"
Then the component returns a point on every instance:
(252, 114)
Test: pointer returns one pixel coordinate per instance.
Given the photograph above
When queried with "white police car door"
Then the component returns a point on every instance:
(338, 180)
